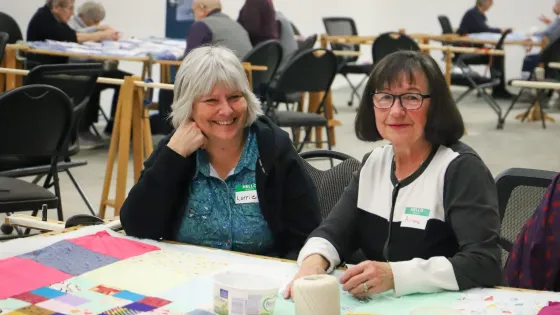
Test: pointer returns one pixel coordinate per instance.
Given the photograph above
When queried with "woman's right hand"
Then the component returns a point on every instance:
(312, 265)
(187, 138)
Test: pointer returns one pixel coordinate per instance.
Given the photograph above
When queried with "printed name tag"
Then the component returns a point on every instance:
(415, 218)
(246, 194)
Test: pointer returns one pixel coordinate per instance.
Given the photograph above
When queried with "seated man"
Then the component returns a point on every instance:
(474, 20)
(214, 27)
(50, 23)
(552, 33)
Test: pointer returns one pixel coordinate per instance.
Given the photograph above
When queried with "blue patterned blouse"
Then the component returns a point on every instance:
(226, 214)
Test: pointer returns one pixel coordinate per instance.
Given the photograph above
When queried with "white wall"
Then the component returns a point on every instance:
(147, 17)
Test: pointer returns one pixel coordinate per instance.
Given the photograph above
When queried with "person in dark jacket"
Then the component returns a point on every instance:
(227, 177)
(475, 21)
(258, 17)
(424, 208)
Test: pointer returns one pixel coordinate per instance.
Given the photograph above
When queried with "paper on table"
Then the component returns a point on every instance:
(489, 301)
(516, 36)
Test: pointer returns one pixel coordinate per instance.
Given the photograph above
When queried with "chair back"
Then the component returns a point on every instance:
(269, 54)
(445, 24)
(307, 44)
(77, 80)
(3, 41)
(330, 184)
(312, 70)
(342, 26)
(34, 121)
(388, 43)
(10, 26)
(519, 193)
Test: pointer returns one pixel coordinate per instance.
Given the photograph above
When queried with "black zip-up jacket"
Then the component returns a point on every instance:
(155, 206)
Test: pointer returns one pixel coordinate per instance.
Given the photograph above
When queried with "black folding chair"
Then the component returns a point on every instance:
(35, 122)
(445, 24)
(310, 71)
(551, 53)
(292, 98)
(269, 54)
(520, 191)
(10, 26)
(78, 82)
(474, 81)
(388, 43)
(345, 26)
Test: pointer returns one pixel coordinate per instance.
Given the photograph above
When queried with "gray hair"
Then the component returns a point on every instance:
(200, 71)
(210, 4)
(93, 11)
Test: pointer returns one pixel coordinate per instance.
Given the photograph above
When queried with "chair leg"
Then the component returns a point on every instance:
(354, 90)
(329, 143)
(463, 95)
(81, 192)
(503, 119)
(305, 139)
(57, 193)
(541, 99)
(37, 179)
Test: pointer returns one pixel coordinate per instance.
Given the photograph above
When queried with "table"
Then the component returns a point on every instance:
(181, 274)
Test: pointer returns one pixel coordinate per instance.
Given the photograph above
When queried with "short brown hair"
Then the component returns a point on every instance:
(444, 124)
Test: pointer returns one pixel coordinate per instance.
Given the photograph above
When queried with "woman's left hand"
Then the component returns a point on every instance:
(367, 278)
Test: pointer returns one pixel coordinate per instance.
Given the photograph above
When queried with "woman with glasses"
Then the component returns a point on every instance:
(423, 209)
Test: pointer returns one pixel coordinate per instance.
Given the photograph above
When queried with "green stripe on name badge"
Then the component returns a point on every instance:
(240, 188)
(417, 211)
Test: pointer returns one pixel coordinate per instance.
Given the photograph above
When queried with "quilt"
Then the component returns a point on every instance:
(105, 274)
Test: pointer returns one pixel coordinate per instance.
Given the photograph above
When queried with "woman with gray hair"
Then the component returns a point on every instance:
(90, 14)
(227, 177)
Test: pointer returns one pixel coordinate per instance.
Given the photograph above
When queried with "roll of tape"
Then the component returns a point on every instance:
(316, 295)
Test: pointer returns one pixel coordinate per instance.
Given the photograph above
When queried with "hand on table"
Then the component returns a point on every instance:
(312, 265)
(187, 138)
(377, 277)
(110, 34)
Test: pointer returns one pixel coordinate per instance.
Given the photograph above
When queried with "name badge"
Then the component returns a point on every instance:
(415, 218)
(246, 194)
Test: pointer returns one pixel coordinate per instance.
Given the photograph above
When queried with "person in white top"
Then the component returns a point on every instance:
(422, 209)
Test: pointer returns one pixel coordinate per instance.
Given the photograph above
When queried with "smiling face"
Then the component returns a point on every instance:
(403, 127)
(221, 114)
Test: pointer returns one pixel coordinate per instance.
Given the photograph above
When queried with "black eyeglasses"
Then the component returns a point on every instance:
(411, 101)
